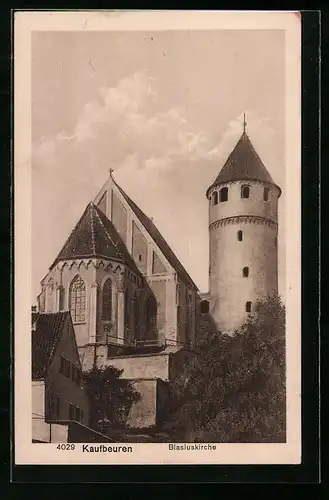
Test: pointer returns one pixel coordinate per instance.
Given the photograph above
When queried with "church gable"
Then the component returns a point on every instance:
(157, 265)
(119, 217)
(139, 248)
(102, 203)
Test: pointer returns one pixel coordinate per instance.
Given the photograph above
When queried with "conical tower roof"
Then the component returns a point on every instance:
(94, 236)
(243, 164)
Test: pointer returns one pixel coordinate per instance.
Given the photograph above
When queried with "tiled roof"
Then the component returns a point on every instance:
(158, 238)
(46, 332)
(95, 236)
(243, 164)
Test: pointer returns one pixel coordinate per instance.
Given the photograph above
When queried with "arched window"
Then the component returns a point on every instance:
(245, 192)
(107, 300)
(127, 307)
(215, 198)
(151, 315)
(266, 195)
(245, 272)
(61, 293)
(240, 235)
(223, 193)
(204, 307)
(248, 307)
(78, 300)
(136, 315)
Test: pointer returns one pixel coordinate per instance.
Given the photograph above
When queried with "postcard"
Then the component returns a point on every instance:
(157, 187)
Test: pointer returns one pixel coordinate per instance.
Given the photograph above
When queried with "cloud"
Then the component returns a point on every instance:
(158, 158)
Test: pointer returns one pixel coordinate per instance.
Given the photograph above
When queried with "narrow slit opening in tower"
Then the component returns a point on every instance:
(248, 307)
(245, 272)
(240, 235)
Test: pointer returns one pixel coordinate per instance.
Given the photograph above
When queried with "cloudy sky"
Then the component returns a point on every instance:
(162, 109)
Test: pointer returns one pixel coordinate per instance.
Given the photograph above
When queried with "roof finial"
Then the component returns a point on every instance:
(244, 123)
(111, 172)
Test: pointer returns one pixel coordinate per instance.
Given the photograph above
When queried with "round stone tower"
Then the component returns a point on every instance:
(243, 236)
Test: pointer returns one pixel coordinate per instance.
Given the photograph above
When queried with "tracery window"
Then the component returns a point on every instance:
(107, 300)
(78, 300)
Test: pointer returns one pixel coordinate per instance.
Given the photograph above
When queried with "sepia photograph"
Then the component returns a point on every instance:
(158, 237)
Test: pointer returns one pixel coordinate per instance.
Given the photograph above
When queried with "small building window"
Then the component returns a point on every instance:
(75, 413)
(223, 194)
(65, 367)
(245, 272)
(245, 192)
(266, 195)
(54, 403)
(215, 198)
(240, 235)
(248, 307)
(140, 257)
(107, 300)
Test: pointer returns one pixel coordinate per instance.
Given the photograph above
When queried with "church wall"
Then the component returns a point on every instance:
(157, 266)
(159, 289)
(141, 366)
(102, 202)
(119, 217)
(105, 328)
(139, 248)
(144, 412)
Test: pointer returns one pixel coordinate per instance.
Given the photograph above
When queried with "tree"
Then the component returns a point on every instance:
(233, 389)
(110, 396)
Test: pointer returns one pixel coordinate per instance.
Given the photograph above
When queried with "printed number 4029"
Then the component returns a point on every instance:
(66, 446)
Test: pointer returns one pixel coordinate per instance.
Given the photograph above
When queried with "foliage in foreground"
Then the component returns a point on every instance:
(110, 396)
(233, 390)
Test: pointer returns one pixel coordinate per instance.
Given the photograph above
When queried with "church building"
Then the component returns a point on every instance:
(134, 305)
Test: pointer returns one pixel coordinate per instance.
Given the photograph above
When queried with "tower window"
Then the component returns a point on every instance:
(223, 194)
(78, 300)
(248, 307)
(245, 192)
(245, 272)
(204, 307)
(215, 198)
(266, 195)
(240, 235)
(107, 300)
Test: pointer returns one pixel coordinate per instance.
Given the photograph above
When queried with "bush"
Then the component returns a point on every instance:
(233, 390)
(110, 396)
